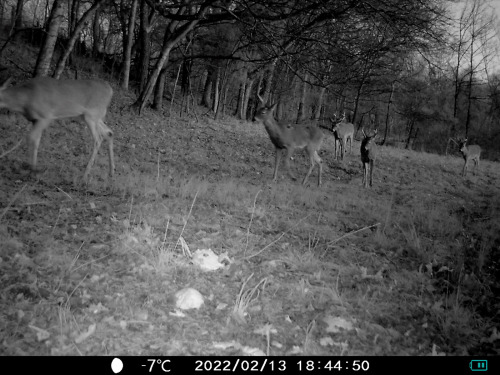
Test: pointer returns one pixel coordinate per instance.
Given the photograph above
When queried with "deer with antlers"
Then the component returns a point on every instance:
(343, 132)
(42, 100)
(287, 137)
(472, 152)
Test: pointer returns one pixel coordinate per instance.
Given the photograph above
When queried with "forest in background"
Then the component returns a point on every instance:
(424, 73)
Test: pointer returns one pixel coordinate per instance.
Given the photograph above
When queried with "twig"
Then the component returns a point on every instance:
(12, 149)
(277, 239)
(12, 201)
(347, 235)
(62, 191)
(251, 219)
(189, 214)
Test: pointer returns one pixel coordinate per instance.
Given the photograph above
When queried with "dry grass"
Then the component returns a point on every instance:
(407, 267)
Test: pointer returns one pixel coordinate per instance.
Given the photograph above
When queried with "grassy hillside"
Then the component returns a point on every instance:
(408, 267)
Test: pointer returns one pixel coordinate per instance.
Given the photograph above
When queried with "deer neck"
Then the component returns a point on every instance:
(275, 132)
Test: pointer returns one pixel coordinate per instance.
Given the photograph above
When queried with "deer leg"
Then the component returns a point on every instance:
(464, 171)
(311, 162)
(34, 140)
(97, 143)
(364, 174)
(277, 162)
(371, 172)
(108, 135)
(289, 153)
(314, 159)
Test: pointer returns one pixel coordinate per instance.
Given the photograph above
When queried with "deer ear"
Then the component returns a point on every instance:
(273, 107)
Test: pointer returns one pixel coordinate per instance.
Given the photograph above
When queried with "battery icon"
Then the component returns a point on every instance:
(478, 365)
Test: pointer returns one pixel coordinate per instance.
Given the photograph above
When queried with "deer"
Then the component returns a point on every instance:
(42, 100)
(343, 131)
(368, 156)
(472, 152)
(287, 137)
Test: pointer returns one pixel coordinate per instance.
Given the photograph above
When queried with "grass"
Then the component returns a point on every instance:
(408, 267)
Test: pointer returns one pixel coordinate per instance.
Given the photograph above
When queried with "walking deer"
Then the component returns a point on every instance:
(368, 156)
(288, 137)
(42, 100)
(472, 152)
(343, 131)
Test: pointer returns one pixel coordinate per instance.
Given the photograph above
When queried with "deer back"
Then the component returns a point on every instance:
(471, 151)
(286, 134)
(48, 98)
(344, 129)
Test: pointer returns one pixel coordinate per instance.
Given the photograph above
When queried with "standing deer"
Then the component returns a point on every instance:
(343, 131)
(42, 100)
(288, 137)
(368, 156)
(472, 152)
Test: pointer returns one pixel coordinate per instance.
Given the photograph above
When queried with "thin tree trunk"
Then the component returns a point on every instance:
(301, 111)
(387, 114)
(145, 39)
(319, 105)
(61, 64)
(159, 90)
(215, 103)
(18, 23)
(269, 81)
(127, 52)
(241, 95)
(246, 99)
(206, 98)
(96, 34)
(172, 37)
(42, 65)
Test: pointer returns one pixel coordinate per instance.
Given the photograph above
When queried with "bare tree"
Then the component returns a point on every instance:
(61, 64)
(42, 65)
(127, 49)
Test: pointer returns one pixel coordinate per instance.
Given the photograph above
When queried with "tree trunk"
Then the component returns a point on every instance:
(269, 80)
(159, 90)
(206, 99)
(145, 40)
(241, 95)
(172, 36)
(246, 99)
(215, 103)
(96, 34)
(18, 23)
(76, 33)
(410, 130)
(42, 65)
(127, 51)
(73, 8)
(319, 105)
(387, 115)
(301, 113)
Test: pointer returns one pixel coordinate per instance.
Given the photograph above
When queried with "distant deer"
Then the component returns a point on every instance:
(472, 152)
(368, 156)
(42, 100)
(343, 131)
(287, 137)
